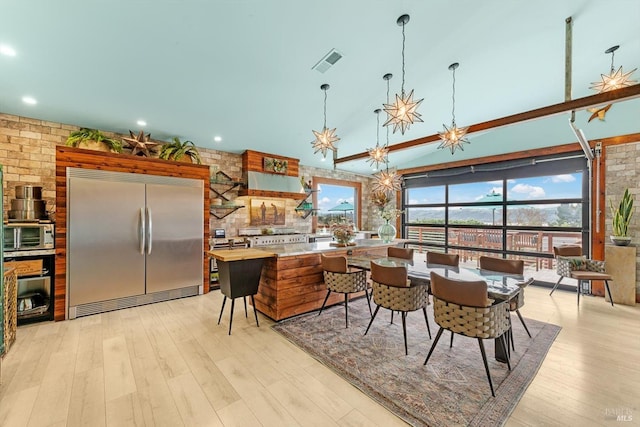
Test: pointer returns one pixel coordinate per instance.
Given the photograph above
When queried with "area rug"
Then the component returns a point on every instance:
(451, 390)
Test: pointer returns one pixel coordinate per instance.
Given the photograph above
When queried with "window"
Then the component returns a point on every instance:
(336, 200)
(519, 209)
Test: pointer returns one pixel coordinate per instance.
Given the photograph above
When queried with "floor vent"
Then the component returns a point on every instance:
(128, 302)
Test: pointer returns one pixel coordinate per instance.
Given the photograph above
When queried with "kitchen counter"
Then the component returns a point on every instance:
(292, 282)
(228, 255)
(295, 249)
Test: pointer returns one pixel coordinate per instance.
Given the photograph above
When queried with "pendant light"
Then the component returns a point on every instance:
(453, 137)
(387, 181)
(378, 154)
(325, 139)
(402, 113)
(615, 79)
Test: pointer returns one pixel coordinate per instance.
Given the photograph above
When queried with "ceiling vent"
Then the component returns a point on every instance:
(327, 61)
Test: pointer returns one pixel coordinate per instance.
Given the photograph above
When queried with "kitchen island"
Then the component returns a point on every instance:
(292, 282)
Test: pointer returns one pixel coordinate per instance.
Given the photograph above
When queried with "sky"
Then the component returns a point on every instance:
(330, 196)
(535, 188)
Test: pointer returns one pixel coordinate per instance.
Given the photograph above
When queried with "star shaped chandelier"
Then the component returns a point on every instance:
(377, 154)
(615, 79)
(386, 182)
(453, 137)
(403, 112)
(326, 138)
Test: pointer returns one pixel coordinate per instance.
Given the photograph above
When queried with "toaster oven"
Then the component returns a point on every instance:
(27, 236)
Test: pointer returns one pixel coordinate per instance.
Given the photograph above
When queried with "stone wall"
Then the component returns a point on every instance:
(622, 170)
(27, 152)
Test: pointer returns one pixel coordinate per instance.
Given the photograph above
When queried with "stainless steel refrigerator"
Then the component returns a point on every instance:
(132, 239)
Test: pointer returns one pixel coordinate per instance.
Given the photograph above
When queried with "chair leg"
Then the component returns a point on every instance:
(451, 342)
(556, 285)
(366, 292)
(222, 309)
(255, 312)
(325, 301)
(426, 319)
(346, 310)
(503, 338)
(578, 289)
(606, 284)
(404, 331)
(434, 344)
(245, 307)
(372, 317)
(523, 324)
(392, 317)
(233, 300)
(486, 365)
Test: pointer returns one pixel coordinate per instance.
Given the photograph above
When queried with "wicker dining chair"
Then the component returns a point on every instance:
(394, 291)
(462, 307)
(339, 279)
(571, 263)
(509, 266)
(396, 252)
(443, 259)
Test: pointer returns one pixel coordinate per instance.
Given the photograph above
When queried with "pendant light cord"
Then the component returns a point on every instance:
(403, 40)
(325, 110)
(453, 99)
(612, 67)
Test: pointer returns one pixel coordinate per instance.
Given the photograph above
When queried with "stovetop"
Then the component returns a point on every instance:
(267, 231)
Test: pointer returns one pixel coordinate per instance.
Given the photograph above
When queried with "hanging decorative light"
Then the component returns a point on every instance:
(325, 139)
(615, 79)
(453, 137)
(378, 154)
(387, 181)
(403, 112)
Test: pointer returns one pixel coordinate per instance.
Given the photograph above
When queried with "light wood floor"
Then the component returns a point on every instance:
(170, 364)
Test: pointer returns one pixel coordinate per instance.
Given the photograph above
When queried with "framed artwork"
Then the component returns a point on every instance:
(275, 165)
(267, 212)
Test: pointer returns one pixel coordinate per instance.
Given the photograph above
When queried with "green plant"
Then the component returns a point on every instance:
(84, 135)
(621, 216)
(176, 150)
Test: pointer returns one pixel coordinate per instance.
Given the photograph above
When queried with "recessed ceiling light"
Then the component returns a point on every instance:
(29, 100)
(217, 138)
(7, 50)
(141, 123)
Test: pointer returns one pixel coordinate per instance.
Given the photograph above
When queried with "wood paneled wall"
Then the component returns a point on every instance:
(88, 159)
(254, 161)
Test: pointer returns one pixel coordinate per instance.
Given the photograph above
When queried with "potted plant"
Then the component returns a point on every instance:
(620, 218)
(177, 150)
(93, 139)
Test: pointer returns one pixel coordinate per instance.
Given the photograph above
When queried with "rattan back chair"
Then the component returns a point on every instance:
(394, 291)
(509, 266)
(462, 307)
(339, 279)
(443, 259)
(396, 252)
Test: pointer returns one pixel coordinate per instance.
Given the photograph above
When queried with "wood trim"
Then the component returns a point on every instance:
(618, 95)
(90, 159)
(558, 149)
(266, 193)
(331, 181)
(253, 161)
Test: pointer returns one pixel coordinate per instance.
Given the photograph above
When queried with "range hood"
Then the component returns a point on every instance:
(272, 185)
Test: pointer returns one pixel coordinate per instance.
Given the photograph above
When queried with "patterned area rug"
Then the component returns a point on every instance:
(451, 390)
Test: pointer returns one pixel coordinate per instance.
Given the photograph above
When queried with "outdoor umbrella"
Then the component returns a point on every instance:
(343, 207)
(491, 197)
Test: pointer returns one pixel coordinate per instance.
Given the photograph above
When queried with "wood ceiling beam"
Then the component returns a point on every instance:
(613, 96)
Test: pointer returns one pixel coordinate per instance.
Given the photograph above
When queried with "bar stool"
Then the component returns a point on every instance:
(239, 279)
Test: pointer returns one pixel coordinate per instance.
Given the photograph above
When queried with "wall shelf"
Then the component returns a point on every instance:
(221, 183)
(305, 208)
(220, 211)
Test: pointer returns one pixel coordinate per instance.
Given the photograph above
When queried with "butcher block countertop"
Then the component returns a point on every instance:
(239, 254)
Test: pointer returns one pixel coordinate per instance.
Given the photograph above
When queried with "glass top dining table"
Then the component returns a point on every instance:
(500, 286)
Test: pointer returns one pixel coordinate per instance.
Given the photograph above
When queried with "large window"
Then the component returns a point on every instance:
(517, 209)
(335, 201)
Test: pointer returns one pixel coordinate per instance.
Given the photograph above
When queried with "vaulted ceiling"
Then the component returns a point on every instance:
(242, 69)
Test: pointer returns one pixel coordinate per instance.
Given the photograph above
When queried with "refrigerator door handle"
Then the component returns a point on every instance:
(150, 232)
(143, 231)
